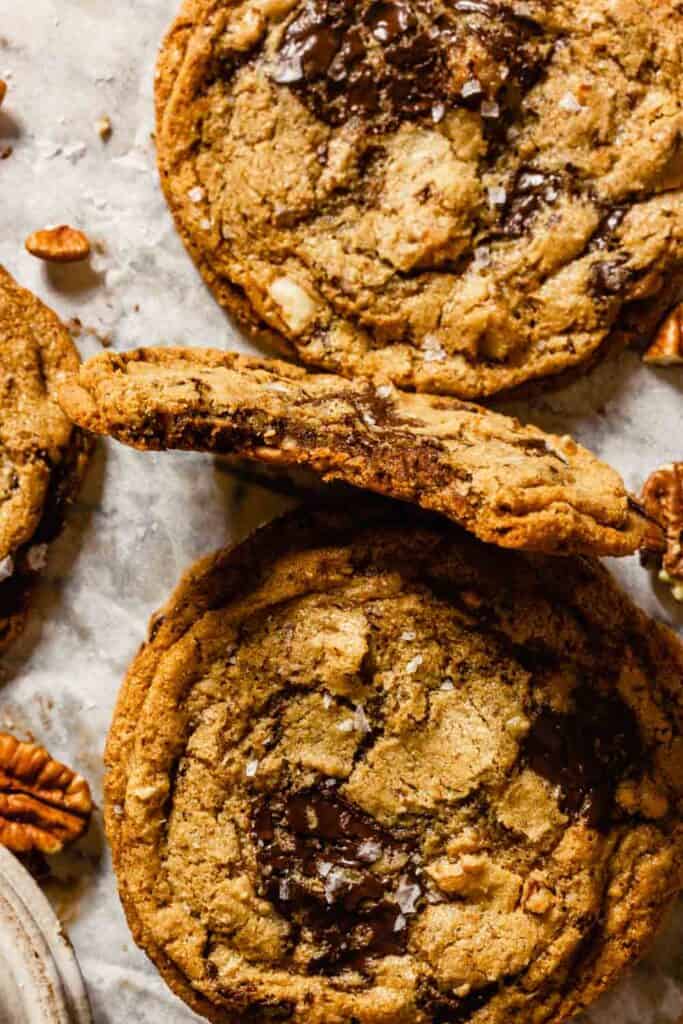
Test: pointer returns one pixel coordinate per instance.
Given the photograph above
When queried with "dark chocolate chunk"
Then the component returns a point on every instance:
(387, 21)
(610, 277)
(316, 854)
(531, 190)
(389, 61)
(586, 753)
(444, 1008)
(608, 227)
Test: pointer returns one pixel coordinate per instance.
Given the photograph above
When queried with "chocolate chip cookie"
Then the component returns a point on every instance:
(42, 455)
(368, 769)
(462, 196)
(509, 484)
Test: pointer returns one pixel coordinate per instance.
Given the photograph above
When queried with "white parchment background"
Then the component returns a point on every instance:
(143, 518)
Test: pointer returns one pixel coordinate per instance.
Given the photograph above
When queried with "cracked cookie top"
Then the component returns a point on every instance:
(380, 772)
(42, 454)
(462, 196)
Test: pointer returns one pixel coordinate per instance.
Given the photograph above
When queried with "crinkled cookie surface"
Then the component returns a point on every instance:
(380, 773)
(462, 196)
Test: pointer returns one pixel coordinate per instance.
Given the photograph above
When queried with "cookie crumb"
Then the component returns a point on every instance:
(36, 559)
(104, 128)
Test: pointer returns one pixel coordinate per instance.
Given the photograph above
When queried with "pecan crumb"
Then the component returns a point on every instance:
(667, 348)
(43, 804)
(61, 244)
(104, 127)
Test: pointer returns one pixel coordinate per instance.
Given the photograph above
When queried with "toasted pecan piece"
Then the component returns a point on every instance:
(59, 245)
(510, 484)
(667, 348)
(43, 804)
(662, 499)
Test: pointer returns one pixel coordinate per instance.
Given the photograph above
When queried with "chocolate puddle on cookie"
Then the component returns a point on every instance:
(336, 875)
(587, 753)
(394, 61)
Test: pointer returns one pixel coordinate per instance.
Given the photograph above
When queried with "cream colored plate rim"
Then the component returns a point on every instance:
(40, 981)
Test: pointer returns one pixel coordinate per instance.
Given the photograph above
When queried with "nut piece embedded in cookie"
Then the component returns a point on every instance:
(663, 545)
(59, 245)
(667, 348)
(43, 804)
(3, 91)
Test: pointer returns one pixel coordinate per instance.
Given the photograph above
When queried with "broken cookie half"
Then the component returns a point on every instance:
(42, 455)
(509, 484)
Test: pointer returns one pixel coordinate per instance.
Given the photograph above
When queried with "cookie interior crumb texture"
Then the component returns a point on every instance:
(42, 454)
(380, 772)
(462, 196)
(510, 484)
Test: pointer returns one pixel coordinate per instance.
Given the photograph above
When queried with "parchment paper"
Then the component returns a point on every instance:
(143, 519)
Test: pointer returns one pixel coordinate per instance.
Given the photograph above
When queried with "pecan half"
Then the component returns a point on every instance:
(662, 499)
(59, 245)
(667, 348)
(43, 804)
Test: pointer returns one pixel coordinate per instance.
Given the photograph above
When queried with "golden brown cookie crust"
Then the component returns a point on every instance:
(42, 455)
(509, 484)
(382, 243)
(525, 892)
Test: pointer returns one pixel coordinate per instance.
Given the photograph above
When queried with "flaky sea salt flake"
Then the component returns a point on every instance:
(407, 895)
(432, 349)
(497, 196)
(490, 110)
(472, 87)
(570, 103)
(360, 721)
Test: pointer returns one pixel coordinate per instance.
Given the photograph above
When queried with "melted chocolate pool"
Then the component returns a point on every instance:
(396, 60)
(316, 853)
